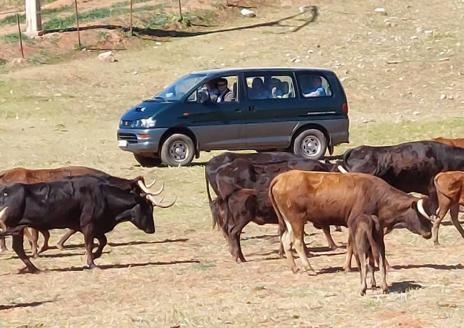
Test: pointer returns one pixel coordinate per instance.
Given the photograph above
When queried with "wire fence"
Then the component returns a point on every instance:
(128, 15)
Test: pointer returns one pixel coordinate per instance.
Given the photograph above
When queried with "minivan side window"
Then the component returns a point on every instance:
(270, 87)
(218, 90)
(313, 85)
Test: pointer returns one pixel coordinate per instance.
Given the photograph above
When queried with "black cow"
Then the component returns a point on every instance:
(92, 205)
(242, 189)
(409, 167)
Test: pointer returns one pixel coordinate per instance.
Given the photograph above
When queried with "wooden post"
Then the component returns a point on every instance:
(77, 25)
(181, 18)
(131, 7)
(20, 36)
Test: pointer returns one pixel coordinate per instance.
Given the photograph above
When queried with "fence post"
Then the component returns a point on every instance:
(77, 25)
(131, 8)
(181, 18)
(20, 36)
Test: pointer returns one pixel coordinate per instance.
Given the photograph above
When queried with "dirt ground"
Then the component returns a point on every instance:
(403, 75)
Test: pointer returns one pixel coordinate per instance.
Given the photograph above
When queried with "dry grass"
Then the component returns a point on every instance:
(53, 115)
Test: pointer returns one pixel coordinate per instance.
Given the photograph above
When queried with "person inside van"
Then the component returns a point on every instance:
(316, 89)
(258, 91)
(225, 94)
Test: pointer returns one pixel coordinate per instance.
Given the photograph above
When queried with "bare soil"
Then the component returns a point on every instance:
(403, 83)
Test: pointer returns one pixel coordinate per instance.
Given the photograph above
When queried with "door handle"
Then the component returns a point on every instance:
(251, 108)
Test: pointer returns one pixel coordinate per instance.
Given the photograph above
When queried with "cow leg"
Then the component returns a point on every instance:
(329, 238)
(88, 239)
(32, 236)
(281, 246)
(436, 224)
(298, 238)
(101, 244)
(454, 212)
(383, 265)
(45, 246)
(234, 240)
(18, 247)
(64, 238)
(363, 271)
(3, 247)
(287, 239)
(371, 268)
(349, 255)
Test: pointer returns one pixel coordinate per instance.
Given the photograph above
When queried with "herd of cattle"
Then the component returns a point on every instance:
(366, 191)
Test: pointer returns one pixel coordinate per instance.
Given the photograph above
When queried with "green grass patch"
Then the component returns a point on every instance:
(14, 37)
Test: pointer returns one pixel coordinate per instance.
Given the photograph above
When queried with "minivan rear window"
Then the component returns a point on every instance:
(313, 85)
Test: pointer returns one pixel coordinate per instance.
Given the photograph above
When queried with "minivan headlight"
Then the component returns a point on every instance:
(144, 123)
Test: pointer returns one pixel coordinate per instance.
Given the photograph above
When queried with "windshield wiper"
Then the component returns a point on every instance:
(159, 97)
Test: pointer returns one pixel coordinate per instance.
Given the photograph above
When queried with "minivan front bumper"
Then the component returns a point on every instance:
(140, 141)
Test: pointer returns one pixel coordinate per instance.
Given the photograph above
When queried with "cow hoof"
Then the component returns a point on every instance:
(295, 270)
(362, 293)
(385, 291)
(333, 247)
(239, 260)
(90, 267)
(347, 269)
(436, 243)
(60, 247)
(311, 273)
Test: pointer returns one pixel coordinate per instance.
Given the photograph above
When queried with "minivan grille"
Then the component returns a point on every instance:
(130, 137)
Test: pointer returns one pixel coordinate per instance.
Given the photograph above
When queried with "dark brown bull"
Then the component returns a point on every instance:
(450, 194)
(366, 238)
(334, 199)
(30, 176)
(242, 189)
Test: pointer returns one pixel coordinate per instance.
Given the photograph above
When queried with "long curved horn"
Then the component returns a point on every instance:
(160, 204)
(342, 169)
(151, 184)
(158, 191)
(420, 208)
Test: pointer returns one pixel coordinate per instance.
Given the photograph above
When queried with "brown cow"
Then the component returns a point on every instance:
(450, 194)
(366, 236)
(30, 176)
(334, 199)
(459, 142)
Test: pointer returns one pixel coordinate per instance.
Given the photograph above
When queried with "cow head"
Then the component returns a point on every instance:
(416, 219)
(141, 215)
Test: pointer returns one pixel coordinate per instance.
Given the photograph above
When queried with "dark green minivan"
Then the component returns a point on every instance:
(300, 110)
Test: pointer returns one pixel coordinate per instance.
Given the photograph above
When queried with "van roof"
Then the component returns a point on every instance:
(258, 69)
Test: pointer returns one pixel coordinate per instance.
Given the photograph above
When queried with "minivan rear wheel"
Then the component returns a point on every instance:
(177, 150)
(310, 144)
(147, 161)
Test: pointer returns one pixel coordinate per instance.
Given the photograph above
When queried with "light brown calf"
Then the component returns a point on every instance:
(459, 142)
(450, 194)
(366, 236)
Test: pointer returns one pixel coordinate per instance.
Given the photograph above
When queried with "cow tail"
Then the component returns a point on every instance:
(280, 218)
(344, 163)
(376, 233)
(217, 221)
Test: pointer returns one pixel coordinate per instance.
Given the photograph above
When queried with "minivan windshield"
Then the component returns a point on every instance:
(179, 88)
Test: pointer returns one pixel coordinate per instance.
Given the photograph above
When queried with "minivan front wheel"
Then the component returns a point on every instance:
(177, 150)
(310, 144)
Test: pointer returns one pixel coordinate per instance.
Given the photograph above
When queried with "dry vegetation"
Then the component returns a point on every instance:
(403, 83)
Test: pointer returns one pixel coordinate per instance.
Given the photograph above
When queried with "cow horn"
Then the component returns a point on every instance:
(160, 203)
(151, 184)
(2, 222)
(420, 208)
(158, 191)
(342, 169)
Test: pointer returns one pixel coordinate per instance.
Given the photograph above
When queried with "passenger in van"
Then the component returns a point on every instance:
(209, 91)
(316, 89)
(276, 88)
(258, 91)
(225, 94)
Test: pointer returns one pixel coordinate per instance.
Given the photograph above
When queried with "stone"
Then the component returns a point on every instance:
(381, 10)
(247, 12)
(107, 56)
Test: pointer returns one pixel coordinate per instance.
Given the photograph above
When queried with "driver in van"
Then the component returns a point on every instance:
(225, 94)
